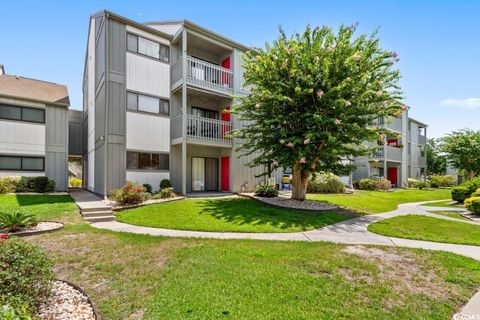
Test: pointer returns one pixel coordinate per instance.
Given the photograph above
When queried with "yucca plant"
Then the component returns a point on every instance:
(16, 221)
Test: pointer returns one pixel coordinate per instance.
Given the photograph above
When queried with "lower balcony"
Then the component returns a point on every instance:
(390, 153)
(202, 130)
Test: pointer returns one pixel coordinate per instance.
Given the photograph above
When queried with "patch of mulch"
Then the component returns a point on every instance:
(39, 228)
(284, 202)
(116, 207)
(66, 303)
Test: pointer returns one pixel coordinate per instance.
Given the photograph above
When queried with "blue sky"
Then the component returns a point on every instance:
(438, 41)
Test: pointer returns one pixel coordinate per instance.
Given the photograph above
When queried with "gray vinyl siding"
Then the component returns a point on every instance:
(75, 133)
(56, 146)
(176, 167)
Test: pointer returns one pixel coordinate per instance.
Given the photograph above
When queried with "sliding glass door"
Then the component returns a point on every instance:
(204, 174)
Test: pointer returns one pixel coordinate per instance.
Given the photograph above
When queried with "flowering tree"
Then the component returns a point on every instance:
(463, 151)
(314, 101)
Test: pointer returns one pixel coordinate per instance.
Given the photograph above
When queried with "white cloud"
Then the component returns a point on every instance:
(469, 103)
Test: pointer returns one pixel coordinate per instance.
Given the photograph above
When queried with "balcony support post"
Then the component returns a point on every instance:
(184, 111)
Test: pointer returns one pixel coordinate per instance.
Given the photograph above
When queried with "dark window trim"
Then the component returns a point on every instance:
(21, 113)
(162, 114)
(146, 55)
(147, 170)
(21, 163)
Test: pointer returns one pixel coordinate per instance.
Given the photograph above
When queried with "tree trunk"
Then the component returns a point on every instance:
(299, 183)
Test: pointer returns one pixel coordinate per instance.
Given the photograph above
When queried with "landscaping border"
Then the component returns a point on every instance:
(146, 203)
(95, 312)
(259, 199)
(38, 232)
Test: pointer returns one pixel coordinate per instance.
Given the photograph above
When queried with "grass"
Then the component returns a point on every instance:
(44, 207)
(451, 214)
(227, 215)
(429, 229)
(368, 202)
(444, 204)
(131, 276)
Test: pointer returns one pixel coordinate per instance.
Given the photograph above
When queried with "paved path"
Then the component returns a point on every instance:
(353, 231)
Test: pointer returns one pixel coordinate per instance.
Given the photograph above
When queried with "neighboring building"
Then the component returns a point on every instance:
(156, 101)
(403, 155)
(33, 128)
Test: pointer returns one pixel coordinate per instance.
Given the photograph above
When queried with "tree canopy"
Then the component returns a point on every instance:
(463, 151)
(436, 159)
(315, 99)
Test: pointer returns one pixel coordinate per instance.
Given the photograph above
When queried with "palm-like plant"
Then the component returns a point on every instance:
(16, 221)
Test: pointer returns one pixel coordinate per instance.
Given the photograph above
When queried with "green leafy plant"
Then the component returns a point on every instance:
(326, 183)
(266, 191)
(8, 312)
(165, 193)
(311, 104)
(9, 184)
(374, 184)
(40, 184)
(473, 204)
(147, 187)
(74, 182)
(463, 151)
(438, 181)
(423, 185)
(412, 183)
(25, 274)
(130, 194)
(460, 193)
(15, 221)
(165, 183)
(35, 184)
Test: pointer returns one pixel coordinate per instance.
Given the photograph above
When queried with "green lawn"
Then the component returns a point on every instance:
(368, 202)
(427, 228)
(444, 204)
(131, 276)
(226, 214)
(45, 207)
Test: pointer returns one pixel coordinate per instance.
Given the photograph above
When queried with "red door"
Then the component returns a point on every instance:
(226, 76)
(225, 174)
(392, 175)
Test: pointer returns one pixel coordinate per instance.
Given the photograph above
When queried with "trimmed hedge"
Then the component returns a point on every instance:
(442, 181)
(374, 184)
(26, 184)
(473, 204)
(325, 183)
(465, 190)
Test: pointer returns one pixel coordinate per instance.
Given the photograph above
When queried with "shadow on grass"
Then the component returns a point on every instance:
(31, 200)
(251, 212)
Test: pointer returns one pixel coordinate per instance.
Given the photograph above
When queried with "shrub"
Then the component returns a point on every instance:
(165, 193)
(9, 184)
(266, 191)
(25, 184)
(25, 274)
(423, 185)
(130, 194)
(147, 187)
(473, 204)
(165, 183)
(8, 312)
(40, 184)
(325, 183)
(442, 181)
(16, 221)
(50, 186)
(460, 193)
(374, 184)
(74, 182)
(412, 183)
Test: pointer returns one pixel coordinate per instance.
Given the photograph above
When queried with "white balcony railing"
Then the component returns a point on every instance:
(204, 75)
(392, 153)
(205, 130)
(391, 123)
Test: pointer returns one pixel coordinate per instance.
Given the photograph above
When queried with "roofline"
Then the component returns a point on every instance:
(115, 16)
(202, 30)
(59, 104)
(419, 122)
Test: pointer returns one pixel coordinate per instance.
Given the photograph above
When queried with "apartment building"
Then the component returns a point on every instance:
(156, 106)
(400, 156)
(33, 128)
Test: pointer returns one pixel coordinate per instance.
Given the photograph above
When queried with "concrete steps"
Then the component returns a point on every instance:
(92, 208)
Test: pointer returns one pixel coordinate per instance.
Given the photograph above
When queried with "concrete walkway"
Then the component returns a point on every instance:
(353, 231)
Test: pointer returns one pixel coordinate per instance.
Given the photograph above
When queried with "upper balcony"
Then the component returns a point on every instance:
(389, 153)
(392, 123)
(203, 75)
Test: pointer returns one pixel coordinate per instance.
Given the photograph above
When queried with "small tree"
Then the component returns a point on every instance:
(463, 151)
(436, 161)
(314, 101)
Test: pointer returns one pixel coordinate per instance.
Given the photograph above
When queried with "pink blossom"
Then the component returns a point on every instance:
(319, 93)
(379, 93)
(356, 57)
(393, 54)
(404, 107)
(306, 141)
(338, 121)
(303, 160)
(347, 103)
(392, 62)
(275, 163)
(290, 145)
(257, 106)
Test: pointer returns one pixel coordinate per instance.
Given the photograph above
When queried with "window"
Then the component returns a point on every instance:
(22, 113)
(19, 163)
(148, 47)
(147, 161)
(150, 104)
(204, 113)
